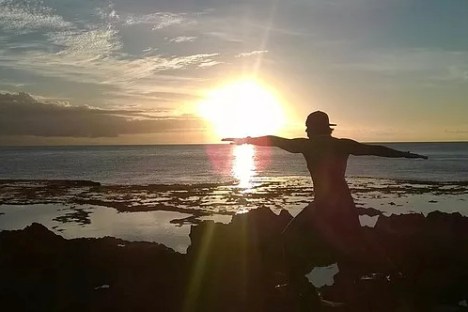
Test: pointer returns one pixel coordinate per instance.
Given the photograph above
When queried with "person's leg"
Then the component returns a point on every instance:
(302, 247)
(302, 251)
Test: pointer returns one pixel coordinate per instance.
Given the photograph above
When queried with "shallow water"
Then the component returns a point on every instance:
(152, 226)
(323, 276)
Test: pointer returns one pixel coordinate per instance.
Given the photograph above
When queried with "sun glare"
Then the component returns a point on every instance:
(244, 108)
(244, 166)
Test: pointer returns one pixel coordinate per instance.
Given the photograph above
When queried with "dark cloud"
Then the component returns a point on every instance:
(21, 114)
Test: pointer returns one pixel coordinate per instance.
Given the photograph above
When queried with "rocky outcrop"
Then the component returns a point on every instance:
(41, 271)
(232, 267)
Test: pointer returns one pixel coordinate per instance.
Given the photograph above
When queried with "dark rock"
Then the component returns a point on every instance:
(371, 212)
(42, 271)
(233, 267)
(234, 264)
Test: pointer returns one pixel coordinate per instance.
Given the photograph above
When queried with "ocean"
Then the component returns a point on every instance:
(192, 164)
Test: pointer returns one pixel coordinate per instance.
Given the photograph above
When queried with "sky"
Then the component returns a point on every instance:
(135, 72)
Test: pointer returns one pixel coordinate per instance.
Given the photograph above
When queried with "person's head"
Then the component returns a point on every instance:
(318, 123)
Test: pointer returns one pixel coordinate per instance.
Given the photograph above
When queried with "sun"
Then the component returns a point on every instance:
(242, 108)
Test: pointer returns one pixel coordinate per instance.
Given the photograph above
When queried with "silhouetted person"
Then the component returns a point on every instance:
(333, 215)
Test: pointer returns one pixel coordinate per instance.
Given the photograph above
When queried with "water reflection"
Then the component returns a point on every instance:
(243, 168)
(152, 226)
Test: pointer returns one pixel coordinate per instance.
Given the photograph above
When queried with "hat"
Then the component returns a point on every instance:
(318, 120)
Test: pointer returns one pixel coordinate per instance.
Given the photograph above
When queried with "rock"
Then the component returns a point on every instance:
(42, 271)
(234, 262)
(232, 267)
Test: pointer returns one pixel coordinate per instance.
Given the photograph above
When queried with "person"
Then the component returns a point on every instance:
(332, 216)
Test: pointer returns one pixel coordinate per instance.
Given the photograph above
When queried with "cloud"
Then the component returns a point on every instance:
(23, 19)
(455, 73)
(209, 64)
(93, 53)
(252, 53)
(180, 39)
(108, 13)
(95, 57)
(159, 20)
(21, 114)
(86, 46)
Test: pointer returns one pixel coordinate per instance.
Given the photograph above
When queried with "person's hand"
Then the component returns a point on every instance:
(414, 156)
(237, 141)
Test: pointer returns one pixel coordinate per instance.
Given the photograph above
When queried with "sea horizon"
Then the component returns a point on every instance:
(221, 143)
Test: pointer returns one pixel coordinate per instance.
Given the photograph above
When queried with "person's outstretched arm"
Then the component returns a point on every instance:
(290, 145)
(355, 148)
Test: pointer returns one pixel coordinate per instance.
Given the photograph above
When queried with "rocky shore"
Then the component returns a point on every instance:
(231, 267)
(199, 200)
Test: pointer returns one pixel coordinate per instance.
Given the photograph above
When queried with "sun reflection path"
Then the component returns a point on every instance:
(243, 168)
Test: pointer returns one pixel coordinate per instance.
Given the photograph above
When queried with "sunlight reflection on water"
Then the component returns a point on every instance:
(243, 168)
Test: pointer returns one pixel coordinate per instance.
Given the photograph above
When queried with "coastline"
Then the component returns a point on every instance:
(163, 213)
(290, 193)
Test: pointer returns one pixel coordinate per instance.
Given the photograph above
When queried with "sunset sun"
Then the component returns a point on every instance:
(243, 108)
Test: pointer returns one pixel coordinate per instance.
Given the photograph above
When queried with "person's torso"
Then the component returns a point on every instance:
(327, 161)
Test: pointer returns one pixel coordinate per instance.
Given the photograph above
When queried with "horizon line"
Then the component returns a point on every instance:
(199, 144)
